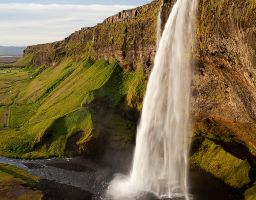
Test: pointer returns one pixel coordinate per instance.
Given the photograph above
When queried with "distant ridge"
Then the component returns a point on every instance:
(11, 51)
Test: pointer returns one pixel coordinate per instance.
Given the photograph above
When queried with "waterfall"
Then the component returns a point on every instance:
(160, 163)
(159, 26)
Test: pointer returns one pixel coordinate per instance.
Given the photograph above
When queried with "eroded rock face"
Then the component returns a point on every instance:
(223, 87)
(224, 82)
(224, 93)
(129, 37)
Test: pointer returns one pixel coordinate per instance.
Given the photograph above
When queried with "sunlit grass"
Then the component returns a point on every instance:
(215, 160)
(51, 104)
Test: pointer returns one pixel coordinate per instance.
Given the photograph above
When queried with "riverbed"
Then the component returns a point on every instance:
(81, 178)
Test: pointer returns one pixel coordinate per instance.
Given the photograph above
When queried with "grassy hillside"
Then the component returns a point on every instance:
(43, 109)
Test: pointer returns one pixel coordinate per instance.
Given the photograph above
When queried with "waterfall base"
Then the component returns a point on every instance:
(121, 188)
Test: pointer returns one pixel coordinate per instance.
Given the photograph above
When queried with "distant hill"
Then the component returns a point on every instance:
(11, 51)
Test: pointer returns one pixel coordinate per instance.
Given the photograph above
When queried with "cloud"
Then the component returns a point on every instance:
(29, 23)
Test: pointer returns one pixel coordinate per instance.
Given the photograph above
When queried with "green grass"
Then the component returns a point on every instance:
(3, 116)
(20, 114)
(52, 141)
(136, 90)
(15, 143)
(17, 173)
(12, 82)
(53, 104)
(75, 91)
(43, 82)
(132, 85)
(24, 61)
(215, 160)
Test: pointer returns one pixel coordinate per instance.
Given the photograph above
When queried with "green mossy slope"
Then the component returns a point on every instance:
(215, 160)
(45, 108)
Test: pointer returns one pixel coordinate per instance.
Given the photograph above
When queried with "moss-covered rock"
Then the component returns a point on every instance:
(250, 194)
(215, 160)
(129, 36)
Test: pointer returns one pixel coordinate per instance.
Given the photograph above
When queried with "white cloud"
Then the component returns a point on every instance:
(27, 24)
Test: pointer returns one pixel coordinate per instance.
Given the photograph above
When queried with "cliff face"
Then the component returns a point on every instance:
(224, 90)
(128, 37)
(224, 94)
(223, 87)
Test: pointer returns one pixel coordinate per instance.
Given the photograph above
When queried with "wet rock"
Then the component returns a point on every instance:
(33, 165)
(56, 191)
(70, 166)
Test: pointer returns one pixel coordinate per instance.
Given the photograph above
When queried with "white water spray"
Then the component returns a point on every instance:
(160, 163)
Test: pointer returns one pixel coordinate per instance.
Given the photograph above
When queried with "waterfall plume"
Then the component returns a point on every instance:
(160, 164)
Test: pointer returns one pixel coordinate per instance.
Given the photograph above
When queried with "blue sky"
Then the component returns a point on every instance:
(28, 22)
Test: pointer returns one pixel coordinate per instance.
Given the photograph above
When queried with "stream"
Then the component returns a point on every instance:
(78, 177)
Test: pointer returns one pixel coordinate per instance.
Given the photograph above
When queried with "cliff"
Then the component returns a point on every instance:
(224, 59)
(68, 87)
(224, 79)
(128, 37)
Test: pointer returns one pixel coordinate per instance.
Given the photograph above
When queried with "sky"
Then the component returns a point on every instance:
(29, 22)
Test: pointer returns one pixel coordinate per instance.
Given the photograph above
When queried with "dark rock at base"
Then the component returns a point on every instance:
(33, 165)
(56, 191)
(147, 196)
(204, 186)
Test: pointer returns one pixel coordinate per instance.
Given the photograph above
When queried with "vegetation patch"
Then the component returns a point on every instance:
(54, 139)
(20, 114)
(3, 117)
(52, 105)
(24, 61)
(215, 160)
